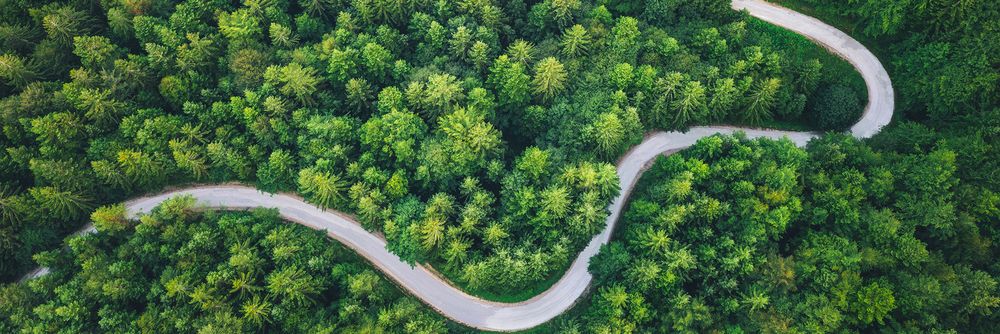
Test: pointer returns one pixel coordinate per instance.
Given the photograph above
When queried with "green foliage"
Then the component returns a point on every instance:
(939, 52)
(394, 136)
(762, 236)
(322, 188)
(761, 100)
(477, 137)
(575, 41)
(835, 108)
(550, 78)
(240, 27)
(209, 272)
(16, 71)
(295, 81)
(441, 94)
(111, 219)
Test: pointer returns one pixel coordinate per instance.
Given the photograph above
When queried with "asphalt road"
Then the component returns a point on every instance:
(487, 315)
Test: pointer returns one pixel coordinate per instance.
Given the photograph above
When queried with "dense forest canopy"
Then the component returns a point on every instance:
(742, 235)
(942, 54)
(479, 137)
(179, 270)
(476, 136)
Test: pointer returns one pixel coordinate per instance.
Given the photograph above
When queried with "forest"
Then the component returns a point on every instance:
(741, 235)
(480, 139)
(211, 271)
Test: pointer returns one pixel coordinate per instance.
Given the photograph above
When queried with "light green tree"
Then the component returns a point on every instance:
(575, 41)
(521, 51)
(550, 78)
(441, 94)
(17, 71)
(761, 100)
(690, 105)
(432, 233)
(322, 188)
(295, 80)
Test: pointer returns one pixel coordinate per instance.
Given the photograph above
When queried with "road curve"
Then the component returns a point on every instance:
(487, 315)
(881, 99)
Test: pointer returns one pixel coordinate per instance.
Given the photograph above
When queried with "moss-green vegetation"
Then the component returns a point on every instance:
(942, 55)
(760, 236)
(478, 136)
(184, 271)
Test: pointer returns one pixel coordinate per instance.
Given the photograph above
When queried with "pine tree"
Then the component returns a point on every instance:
(761, 100)
(17, 71)
(521, 51)
(690, 105)
(575, 42)
(550, 78)
(322, 188)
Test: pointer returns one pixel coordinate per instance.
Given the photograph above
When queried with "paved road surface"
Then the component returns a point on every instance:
(488, 315)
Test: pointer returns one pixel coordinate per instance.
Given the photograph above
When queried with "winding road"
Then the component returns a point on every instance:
(487, 315)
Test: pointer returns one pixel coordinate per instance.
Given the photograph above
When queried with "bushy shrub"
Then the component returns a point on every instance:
(835, 107)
